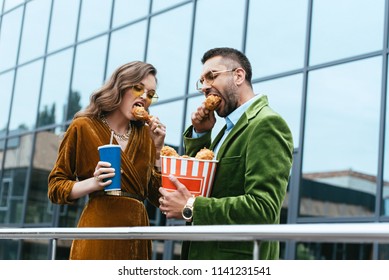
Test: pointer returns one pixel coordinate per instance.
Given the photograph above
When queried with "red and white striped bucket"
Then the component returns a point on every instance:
(197, 175)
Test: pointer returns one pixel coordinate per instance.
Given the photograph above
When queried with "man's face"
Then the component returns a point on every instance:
(218, 79)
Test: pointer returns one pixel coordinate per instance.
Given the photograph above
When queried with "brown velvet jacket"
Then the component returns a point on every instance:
(77, 159)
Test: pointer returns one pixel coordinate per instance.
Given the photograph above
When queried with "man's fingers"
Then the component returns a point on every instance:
(180, 187)
(177, 183)
(174, 180)
(163, 192)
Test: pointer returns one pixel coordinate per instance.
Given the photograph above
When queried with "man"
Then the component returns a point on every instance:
(254, 150)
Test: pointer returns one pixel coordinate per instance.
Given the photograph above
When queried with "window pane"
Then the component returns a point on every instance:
(333, 251)
(211, 31)
(10, 28)
(163, 4)
(26, 96)
(55, 89)
(171, 72)
(46, 148)
(121, 52)
(276, 35)
(88, 73)
(9, 4)
(345, 28)
(35, 30)
(63, 23)
(6, 82)
(17, 160)
(284, 96)
(173, 124)
(383, 252)
(129, 10)
(339, 167)
(95, 17)
(33, 250)
(385, 192)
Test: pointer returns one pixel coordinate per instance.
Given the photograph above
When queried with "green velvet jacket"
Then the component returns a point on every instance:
(250, 182)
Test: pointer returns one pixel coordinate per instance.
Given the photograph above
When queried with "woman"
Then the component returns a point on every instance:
(78, 171)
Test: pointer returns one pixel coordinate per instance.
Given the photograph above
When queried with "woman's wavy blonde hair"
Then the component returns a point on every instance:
(109, 96)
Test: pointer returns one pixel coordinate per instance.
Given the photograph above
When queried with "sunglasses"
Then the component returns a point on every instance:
(139, 89)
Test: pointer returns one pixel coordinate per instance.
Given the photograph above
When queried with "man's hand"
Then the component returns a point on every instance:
(172, 202)
(203, 119)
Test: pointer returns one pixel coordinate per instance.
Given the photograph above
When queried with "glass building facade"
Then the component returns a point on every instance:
(322, 63)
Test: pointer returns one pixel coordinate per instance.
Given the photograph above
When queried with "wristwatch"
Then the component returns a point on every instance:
(187, 211)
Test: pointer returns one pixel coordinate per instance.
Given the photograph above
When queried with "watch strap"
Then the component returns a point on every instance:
(190, 202)
(187, 211)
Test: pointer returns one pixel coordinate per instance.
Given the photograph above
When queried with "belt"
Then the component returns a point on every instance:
(119, 193)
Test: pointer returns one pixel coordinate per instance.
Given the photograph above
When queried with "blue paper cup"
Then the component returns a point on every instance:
(111, 154)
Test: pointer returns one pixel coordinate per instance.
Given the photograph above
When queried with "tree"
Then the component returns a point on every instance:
(74, 104)
(46, 116)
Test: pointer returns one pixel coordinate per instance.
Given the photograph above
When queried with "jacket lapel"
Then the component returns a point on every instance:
(244, 120)
(218, 137)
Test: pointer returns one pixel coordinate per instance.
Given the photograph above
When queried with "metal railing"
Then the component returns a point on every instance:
(345, 233)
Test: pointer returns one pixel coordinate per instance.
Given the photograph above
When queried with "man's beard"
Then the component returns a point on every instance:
(230, 102)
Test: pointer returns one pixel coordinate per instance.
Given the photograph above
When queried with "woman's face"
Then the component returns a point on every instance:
(140, 95)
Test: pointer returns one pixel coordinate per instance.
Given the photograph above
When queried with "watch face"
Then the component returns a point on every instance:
(187, 213)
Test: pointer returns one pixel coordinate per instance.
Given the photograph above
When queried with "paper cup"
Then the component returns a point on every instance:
(112, 154)
(197, 175)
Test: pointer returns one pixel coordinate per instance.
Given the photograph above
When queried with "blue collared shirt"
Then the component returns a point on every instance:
(231, 120)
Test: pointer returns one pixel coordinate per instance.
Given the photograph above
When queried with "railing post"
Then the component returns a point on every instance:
(256, 249)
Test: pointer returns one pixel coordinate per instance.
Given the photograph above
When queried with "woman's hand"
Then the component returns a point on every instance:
(103, 171)
(158, 133)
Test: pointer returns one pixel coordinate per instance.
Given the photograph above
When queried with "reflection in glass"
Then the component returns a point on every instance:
(352, 28)
(88, 73)
(95, 17)
(121, 52)
(26, 96)
(383, 252)
(6, 82)
(10, 249)
(35, 250)
(173, 122)
(55, 89)
(129, 10)
(276, 36)
(17, 161)
(34, 30)
(10, 26)
(63, 23)
(211, 31)
(284, 97)
(46, 148)
(341, 140)
(168, 50)
(333, 251)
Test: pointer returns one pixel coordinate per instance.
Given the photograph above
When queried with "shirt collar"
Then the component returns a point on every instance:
(233, 117)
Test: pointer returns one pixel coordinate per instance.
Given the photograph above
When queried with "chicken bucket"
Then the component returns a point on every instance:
(196, 174)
